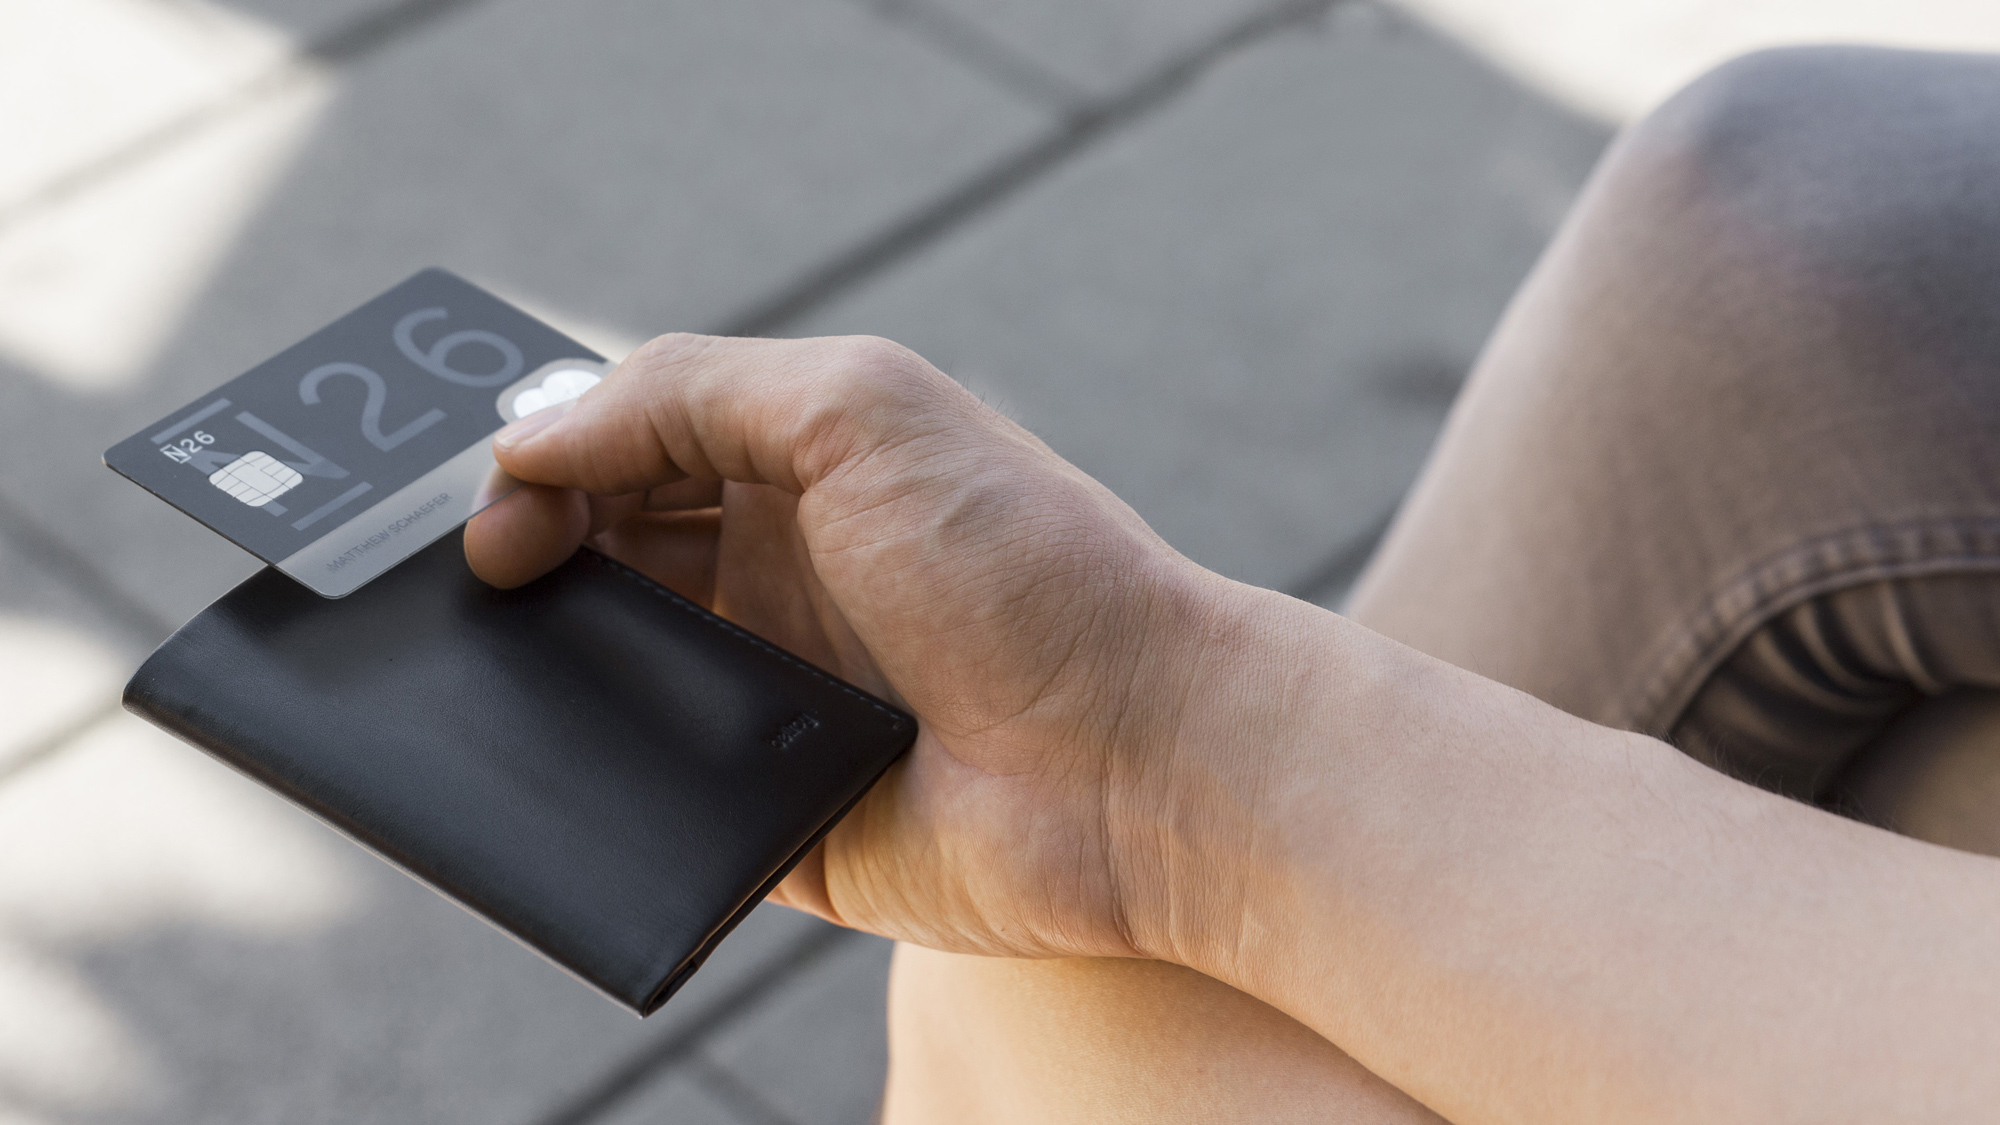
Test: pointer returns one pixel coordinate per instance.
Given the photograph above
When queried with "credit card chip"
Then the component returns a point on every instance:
(256, 478)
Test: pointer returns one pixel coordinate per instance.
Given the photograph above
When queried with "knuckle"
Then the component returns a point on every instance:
(870, 361)
(665, 351)
(867, 373)
(867, 393)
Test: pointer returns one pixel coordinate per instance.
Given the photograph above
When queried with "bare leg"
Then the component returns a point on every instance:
(1726, 473)
(978, 1039)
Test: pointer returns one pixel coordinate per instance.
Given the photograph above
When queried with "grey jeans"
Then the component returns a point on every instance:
(1726, 473)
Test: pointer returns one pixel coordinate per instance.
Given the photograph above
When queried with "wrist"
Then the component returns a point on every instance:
(1191, 800)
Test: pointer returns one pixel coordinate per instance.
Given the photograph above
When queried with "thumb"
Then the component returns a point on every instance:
(785, 413)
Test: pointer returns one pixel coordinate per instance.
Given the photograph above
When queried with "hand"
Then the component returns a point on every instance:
(1501, 909)
(845, 500)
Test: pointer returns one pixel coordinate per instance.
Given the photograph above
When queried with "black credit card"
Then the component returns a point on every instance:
(357, 447)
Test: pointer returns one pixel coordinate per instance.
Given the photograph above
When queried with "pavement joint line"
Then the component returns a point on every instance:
(1006, 177)
(47, 746)
(1344, 565)
(377, 28)
(629, 1077)
(70, 566)
(734, 1093)
(970, 45)
(339, 45)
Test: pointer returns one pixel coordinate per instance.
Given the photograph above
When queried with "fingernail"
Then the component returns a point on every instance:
(516, 434)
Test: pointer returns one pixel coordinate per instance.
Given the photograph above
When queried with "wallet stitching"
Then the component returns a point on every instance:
(699, 614)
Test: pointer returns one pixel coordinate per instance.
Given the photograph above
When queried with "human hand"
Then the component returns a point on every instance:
(847, 501)
(1121, 754)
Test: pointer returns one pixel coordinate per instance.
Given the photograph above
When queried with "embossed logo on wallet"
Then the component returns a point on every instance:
(368, 440)
(794, 730)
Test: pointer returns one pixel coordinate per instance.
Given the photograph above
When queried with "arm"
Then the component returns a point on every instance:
(1508, 912)
(1518, 916)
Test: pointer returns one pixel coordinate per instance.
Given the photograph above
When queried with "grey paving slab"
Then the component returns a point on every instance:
(84, 81)
(678, 1099)
(1098, 47)
(63, 659)
(306, 22)
(1248, 314)
(91, 291)
(80, 78)
(643, 165)
(178, 945)
(817, 1053)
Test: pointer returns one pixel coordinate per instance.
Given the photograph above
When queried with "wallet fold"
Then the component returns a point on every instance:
(594, 764)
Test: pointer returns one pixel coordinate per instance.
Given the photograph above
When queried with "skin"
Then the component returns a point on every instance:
(991, 1039)
(1448, 888)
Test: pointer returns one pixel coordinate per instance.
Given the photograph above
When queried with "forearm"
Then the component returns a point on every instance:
(1516, 915)
(1511, 913)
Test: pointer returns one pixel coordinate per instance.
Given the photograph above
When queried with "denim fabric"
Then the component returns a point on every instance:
(1726, 472)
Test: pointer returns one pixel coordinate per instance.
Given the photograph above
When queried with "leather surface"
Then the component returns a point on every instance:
(599, 767)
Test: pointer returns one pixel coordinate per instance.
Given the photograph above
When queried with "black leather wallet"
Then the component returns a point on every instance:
(596, 765)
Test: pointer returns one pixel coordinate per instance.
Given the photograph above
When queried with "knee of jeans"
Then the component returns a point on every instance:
(1852, 157)
(1757, 120)
(1856, 185)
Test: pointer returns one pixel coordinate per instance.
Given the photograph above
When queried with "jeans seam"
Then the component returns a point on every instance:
(1685, 657)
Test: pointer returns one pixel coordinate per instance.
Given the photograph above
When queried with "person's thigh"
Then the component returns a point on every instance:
(1095, 1042)
(1723, 475)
